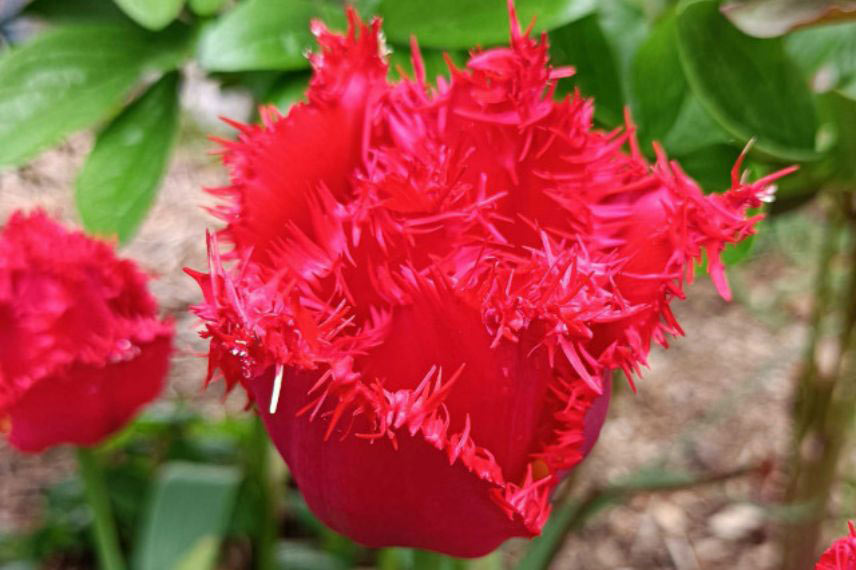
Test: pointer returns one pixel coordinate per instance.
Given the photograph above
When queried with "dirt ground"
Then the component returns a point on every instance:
(715, 402)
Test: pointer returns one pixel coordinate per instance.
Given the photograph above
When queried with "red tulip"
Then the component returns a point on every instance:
(429, 285)
(841, 555)
(81, 347)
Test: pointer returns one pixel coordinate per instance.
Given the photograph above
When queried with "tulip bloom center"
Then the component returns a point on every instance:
(428, 286)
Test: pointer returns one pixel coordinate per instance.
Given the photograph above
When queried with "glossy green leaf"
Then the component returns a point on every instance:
(118, 182)
(456, 24)
(170, 48)
(583, 45)
(694, 129)
(748, 85)
(287, 91)
(625, 27)
(710, 166)
(206, 7)
(657, 82)
(261, 34)
(65, 80)
(202, 555)
(151, 14)
(64, 11)
(738, 252)
(434, 61)
(186, 517)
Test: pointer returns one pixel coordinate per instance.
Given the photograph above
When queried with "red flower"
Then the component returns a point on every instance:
(439, 279)
(841, 555)
(81, 348)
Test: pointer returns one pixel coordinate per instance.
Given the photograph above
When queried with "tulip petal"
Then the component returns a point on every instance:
(81, 345)
(447, 293)
(86, 402)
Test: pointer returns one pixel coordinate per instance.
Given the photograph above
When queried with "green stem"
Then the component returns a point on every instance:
(104, 528)
(266, 540)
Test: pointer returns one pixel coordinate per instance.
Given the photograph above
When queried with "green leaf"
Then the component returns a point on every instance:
(186, 517)
(493, 561)
(433, 60)
(118, 182)
(748, 85)
(583, 45)
(694, 129)
(830, 50)
(413, 559)
(657, 82)
(202, 555)
(424, 560)
(456, 24)
(260, 34)
(64, 11)
(739, 252)
(151, 14)
(170, 48)
(62, 81)
(69, 78)
(625, 28)
(843, 112)
(293, 555)
(849, 89)
(286, 91)
(206, 7)
(711, 166)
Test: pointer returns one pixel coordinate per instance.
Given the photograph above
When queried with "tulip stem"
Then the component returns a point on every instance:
(104, 528)
(266, 540)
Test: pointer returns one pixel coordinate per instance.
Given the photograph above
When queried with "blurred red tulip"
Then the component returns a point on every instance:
(429, 285)
(81, 347)
(841, 555)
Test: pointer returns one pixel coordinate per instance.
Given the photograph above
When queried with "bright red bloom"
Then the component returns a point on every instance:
(81, 347)
(841, 555)
(440, 280)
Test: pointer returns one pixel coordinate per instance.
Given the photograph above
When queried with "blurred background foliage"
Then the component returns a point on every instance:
(703, 78)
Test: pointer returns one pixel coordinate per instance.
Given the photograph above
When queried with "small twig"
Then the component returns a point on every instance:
(570, 515)
(825, 396)
(621, 491)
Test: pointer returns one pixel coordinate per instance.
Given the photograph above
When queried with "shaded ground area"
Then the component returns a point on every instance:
(716, 401)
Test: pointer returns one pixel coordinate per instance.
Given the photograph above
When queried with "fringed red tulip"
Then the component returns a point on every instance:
(81, 346)
(429, 285)
(841, 555)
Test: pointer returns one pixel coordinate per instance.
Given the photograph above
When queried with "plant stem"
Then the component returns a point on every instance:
(569, 514)
(266, 540)
(104, 528)
(826, 395)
